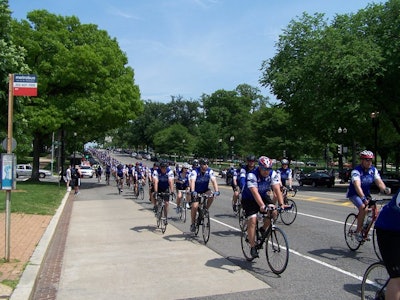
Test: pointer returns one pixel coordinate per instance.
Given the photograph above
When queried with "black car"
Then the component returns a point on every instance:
(390, 180)
(317, 179)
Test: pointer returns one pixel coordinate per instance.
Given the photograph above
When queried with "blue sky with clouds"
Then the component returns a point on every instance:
(191, 47)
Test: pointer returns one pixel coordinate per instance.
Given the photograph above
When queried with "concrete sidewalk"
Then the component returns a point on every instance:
(113, 250)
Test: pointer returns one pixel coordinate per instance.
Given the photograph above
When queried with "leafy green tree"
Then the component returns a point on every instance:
(84, 84)
(335, 75)
(11, 61)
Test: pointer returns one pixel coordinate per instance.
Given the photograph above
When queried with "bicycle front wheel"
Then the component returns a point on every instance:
(183, 211)
(350, 226)
(206, 226)
(277, 250)
(374, 282)
(375, 244)
(160, 211)
(288, 215)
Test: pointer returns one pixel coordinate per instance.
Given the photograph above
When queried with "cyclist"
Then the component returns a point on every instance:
(182, 184)
(151, 185)
(139, 177)
(199, 180)
(250, 166)
(388, 234)
(285, 174)
(235, 187)
(99, 171)
(108, 173)
(163, 182)
(359, 188)
(257, 194)
(130, 175)
(119, 176)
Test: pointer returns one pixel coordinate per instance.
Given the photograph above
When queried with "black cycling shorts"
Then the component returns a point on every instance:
(251, 206)
(389, 246)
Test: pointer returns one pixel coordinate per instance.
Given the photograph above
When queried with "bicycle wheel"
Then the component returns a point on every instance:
(288, 215)
(206, 228)
(244, 241)
(197, 221)
(277, 250)
(160, 210)
(375, 244)
(374, 282)
(350, 226)
(184, 211)
(163, 220)
(242, 219)
(141, 193)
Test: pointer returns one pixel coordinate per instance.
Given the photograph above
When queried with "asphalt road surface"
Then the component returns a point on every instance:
(320, 264)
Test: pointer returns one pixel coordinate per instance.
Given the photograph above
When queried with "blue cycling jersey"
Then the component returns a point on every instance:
(367, 177)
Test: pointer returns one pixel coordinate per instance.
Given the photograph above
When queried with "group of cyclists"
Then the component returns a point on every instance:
(258, 185)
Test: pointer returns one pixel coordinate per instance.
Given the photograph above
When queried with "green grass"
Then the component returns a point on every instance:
(39, 198)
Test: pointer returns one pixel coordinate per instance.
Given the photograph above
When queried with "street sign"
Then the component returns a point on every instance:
(25, 85)
(13, 144)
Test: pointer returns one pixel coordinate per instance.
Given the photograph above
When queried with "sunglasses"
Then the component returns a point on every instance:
(368, 159)
(265, 169)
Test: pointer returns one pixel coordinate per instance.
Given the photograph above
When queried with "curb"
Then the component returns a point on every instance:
(29, 277)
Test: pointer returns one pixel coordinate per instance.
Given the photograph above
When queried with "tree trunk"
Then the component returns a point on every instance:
(37, 139)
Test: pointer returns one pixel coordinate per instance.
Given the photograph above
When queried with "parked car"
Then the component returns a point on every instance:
(311, 164)
(391, 180)
(139, 156)
(87, 171)
(317, 179)
(26, 170)
(133, 154)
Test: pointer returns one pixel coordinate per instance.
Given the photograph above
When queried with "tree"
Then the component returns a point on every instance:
(11, 61)
(84, 83)
(347, 70)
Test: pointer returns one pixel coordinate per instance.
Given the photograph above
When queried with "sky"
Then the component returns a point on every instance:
(192, 47)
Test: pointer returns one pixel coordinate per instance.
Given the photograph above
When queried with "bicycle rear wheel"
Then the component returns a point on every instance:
(375, 244)
(288, 215)
(183, 211)
(350, 226)
(277, 250)
(141, 193)
(244, 241)
(197, 222)
(374, 282)
(206, 226)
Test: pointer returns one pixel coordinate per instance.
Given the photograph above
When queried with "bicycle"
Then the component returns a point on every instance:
(274, 239)
(289, 214)
(108, 178)
(182, 211)
(140, 190)
(374, 282)
(350, 227)
(160, 212)
(119, 184)
(203, 216)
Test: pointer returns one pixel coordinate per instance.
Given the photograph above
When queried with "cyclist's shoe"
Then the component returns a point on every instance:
(165, 222)
(254, 252)
(121, 190)
(359, 237)
(187, 205)
(193, 228)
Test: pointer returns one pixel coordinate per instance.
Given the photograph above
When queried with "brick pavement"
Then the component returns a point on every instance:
(26, 232)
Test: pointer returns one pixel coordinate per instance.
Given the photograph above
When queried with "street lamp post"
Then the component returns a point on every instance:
(375, 124)
(232, 139)
(75, 134)
(183, 146)
(341, 148)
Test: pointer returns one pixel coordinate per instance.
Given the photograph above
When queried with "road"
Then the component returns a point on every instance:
(320, 264)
